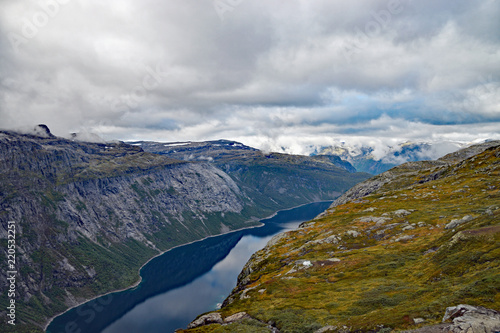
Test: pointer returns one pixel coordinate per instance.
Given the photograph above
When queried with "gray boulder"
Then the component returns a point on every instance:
(377, 220)
(457, 222)
(465, 319)
(326, 329)
(401, 212)
(472, 319)
(209, 318)
(237, 317)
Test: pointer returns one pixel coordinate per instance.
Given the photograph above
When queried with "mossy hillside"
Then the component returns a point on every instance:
(377, 273)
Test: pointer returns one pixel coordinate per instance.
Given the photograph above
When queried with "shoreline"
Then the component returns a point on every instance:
(137, 283)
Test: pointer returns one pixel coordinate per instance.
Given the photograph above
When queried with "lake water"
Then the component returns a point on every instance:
(182, 283)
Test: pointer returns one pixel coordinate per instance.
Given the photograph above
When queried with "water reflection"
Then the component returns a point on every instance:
(174, 309)
(180, 284)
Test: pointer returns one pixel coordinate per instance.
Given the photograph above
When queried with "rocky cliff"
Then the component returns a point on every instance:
(391, 255)
(272, 179)
(88, 215)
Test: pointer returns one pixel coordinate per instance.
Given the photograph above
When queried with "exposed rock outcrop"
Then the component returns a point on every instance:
(472, 319)
(465, 319)
(43, 131)
(236, 317)
(210, 318)
(455, 223)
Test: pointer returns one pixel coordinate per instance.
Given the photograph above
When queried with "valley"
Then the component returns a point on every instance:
(89, 215)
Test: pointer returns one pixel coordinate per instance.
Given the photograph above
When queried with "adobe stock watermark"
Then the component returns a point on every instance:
(11, 272)
(151, 81)
(380, 21)
(30, 26)
(474, 97)
(88, 313)
(224, 6)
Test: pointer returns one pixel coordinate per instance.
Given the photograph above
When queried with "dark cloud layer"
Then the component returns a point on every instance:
(271, 74)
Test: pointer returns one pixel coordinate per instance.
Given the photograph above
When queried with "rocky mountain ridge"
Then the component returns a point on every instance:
(226, 152)
(262, 173)
(391, 255)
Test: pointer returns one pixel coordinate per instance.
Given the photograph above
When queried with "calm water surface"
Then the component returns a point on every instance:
(182, 283)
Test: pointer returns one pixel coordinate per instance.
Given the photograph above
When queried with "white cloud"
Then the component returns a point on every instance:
(274, 75)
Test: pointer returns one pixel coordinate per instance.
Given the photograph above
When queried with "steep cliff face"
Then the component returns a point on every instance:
(271, 179)
(88, 215)
(392, 254)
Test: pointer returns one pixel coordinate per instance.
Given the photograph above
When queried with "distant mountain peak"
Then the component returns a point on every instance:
(87, 137)
(377, 158)
(43, 131)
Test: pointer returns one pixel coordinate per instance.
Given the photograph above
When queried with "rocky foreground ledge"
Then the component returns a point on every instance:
(465, 318)
(462, 318)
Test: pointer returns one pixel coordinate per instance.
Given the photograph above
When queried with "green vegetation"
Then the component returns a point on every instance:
(117, 266)
(51, 198)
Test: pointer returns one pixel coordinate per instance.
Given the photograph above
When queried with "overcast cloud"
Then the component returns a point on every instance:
(289, 74)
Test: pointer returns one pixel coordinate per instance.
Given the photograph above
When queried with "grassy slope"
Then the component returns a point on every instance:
(408, 267)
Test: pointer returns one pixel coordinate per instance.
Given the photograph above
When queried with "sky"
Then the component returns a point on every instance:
(276, 75)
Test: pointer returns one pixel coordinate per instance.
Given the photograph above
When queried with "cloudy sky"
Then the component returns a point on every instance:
(271, 74)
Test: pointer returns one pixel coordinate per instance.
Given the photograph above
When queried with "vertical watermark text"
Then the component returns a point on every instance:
(11, 272)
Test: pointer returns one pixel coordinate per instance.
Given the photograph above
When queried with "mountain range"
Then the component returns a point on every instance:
(376, 158)
(88, 215)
